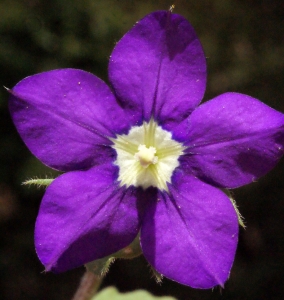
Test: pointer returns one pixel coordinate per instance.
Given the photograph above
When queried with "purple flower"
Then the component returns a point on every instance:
(142, 158)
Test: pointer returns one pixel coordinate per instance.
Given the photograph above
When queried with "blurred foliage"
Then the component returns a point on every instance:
(113, 293)
(244, 45)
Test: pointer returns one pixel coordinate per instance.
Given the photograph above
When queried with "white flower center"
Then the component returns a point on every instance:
(147, 156)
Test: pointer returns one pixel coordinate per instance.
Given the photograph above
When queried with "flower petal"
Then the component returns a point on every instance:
(65, 116)
(233, 140)
(158, 69)
(84, 216)
(190, 235)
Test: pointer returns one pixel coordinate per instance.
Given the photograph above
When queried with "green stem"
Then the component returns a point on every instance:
(88, 287)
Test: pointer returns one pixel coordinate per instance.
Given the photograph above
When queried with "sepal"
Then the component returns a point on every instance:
(240, 217)
(101, 266)
(45, 182)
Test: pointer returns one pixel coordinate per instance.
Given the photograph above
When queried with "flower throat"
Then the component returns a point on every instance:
(147, 156)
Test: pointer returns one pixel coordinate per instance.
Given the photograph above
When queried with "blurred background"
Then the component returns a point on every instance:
(244, 45)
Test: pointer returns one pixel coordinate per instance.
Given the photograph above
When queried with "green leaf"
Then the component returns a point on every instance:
(113, 294)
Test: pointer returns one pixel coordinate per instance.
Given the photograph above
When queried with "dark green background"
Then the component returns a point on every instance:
(244, 45)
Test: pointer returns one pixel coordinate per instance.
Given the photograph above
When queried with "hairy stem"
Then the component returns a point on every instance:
(88, 287)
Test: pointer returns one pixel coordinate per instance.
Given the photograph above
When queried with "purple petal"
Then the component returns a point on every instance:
(158, 69)
(84, 216)
(65, 116)
(233, 140)
(190, 235)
